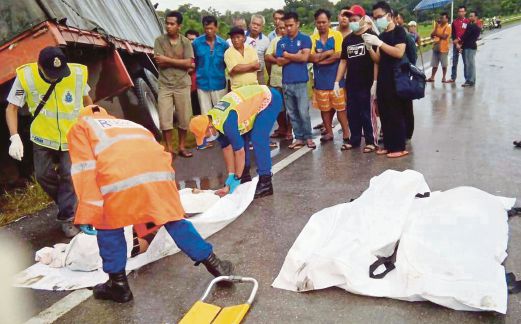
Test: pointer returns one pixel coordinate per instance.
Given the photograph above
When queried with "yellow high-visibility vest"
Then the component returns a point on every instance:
(247, 101)
(61, 111)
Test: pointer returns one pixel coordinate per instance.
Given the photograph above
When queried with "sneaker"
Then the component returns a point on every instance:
(69, 229)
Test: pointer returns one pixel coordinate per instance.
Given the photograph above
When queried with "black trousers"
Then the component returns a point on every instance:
(392, 111)
(409, 120)
(359, 115)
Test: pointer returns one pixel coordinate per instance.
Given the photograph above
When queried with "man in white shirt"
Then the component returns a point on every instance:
(261, 42)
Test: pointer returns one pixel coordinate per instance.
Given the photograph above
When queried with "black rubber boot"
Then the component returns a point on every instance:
(264, 187)
(218, 267)
(116, 289)
(245, 177)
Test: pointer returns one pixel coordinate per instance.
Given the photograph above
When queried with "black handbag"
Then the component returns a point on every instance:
(409, 80)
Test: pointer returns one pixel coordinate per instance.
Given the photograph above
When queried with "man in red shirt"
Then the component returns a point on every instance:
(458, 29)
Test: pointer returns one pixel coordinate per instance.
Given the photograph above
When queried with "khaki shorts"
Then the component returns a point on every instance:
(325, 100)
(174, 102)
(208, 99)
(439, 57)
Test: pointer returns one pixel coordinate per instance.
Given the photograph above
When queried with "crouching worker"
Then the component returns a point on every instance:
(122, 176)
(245, 114)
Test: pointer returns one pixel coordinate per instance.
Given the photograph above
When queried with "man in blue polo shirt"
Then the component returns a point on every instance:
(209, 65)
(293, 54)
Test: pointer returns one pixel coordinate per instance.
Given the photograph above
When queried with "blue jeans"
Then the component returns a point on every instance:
(57, 183)
(469, 59)
(455, 59)
(260, 135)
(113, 247)
(297, 105)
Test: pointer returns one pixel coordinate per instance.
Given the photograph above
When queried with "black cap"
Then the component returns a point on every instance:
(54, 62)
(236, 31)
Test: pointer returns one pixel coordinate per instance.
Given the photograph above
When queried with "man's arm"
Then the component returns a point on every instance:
(342, 68)
(331, 59)
(11, 117)
(87, 100)
(165, 61)
(302, 56)
(245, 68)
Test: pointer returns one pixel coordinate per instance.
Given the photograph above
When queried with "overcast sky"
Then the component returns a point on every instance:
(223, 5)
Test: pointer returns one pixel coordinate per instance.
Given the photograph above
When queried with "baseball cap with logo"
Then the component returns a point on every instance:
(54, 62)
(198, 126)
(356, 10)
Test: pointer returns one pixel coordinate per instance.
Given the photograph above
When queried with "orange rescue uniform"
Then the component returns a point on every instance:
(113, 193)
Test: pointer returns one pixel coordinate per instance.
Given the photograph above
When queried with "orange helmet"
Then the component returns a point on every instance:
(198, 126)
(91, 110)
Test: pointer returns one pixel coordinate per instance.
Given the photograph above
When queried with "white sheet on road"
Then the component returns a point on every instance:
(82, 252)
(451, 245)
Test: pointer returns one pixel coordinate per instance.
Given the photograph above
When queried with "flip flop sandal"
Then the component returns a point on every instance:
(369, 148)
(382, 152)
(311, 145)
(395, 155)
(319, 126)
(296, 145)
(429, 80)
(445, 81)
(185, 154)
(346, 147)
(274, 144)
(517, 143)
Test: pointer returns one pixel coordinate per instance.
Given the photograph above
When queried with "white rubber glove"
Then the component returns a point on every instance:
(16, 150)
(373, 89)
(372, 40)
(336, 89)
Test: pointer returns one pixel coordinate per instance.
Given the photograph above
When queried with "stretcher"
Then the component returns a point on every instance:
(205, 313)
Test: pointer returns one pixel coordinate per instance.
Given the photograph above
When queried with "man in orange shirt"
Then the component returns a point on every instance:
(440, 48)
(122, 177)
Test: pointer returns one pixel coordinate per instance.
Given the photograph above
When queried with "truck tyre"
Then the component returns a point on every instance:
(151, 80)
(147, 103)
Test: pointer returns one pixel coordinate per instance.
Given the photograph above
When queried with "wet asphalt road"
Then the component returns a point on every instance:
(462, 137)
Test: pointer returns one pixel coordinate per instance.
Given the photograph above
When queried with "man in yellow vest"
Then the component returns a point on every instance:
(246, 114)
(55, 91)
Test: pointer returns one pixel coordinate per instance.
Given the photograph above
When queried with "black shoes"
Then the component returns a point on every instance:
(245, 177)
(116, 289)
(264, 187)
(217, 267)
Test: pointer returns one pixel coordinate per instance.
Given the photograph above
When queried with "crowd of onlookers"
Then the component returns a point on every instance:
(351, 72)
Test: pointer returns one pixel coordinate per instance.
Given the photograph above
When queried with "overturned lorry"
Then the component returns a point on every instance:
(113, 38)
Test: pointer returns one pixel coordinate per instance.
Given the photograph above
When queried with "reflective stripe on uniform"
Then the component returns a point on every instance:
(78, 103)
(49, 143)
(104, 144)
(143, 178)
(29, 79)
(66, 116)
(98, 203)
(107, 141)
(83, 166)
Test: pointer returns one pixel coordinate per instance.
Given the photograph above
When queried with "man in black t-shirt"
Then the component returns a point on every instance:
(359, 81)
(390, 50)
(469, 48)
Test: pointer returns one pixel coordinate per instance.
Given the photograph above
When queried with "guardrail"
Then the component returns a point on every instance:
(426, 41)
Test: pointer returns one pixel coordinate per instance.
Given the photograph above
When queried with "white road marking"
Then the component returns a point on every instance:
(61, 307)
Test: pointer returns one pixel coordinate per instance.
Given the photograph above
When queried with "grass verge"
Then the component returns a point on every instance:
(22, 201)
